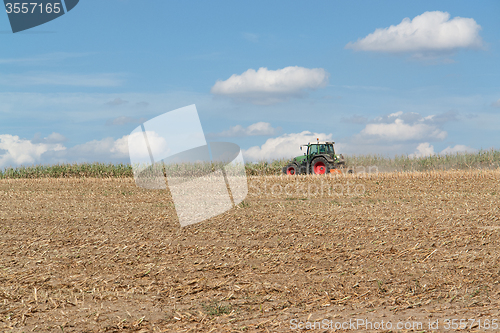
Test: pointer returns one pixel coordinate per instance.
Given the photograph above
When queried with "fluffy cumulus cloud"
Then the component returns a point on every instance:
(109, 150)
(430, 32)
(401, 126)
(95, 150)
(258, 129)
(17, 151)
(423, 149)
(426, 149)
(397, 133)
(135, 144)
(266, 86)
(457, 149)
(284, 146)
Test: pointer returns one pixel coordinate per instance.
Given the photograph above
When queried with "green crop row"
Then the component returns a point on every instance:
(484, 159)
(98, 170)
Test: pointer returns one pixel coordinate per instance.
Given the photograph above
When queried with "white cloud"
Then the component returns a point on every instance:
(109, 149)
(284, 146)
(271, 86)
(157, 143)
(457, 149)
(17, 151)
(428, 32)
(402, 127)
(396, 114)
(397, 133)
(62, 79)
(425, 149)
(260, 128)
(496, 104)
(98, 148)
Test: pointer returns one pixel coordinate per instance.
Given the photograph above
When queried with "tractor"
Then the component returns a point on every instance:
(319, 159)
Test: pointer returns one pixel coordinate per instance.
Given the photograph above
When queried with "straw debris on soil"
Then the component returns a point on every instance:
(93, 255)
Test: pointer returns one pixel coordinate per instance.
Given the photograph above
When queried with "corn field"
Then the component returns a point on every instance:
(104, 255)
(484, 159)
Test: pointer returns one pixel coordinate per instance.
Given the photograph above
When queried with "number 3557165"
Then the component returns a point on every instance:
(32, 7)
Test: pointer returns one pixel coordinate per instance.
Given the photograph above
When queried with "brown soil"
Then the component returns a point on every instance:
(93, 255)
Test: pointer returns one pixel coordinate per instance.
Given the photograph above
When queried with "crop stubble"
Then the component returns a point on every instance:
(104, 255)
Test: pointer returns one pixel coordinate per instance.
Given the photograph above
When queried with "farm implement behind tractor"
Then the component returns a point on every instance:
(319, 159)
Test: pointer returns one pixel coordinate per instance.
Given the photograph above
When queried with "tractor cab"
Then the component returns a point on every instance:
(319, 148)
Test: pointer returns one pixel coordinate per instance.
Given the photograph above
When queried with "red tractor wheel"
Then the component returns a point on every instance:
(291, 170)
(320, 166)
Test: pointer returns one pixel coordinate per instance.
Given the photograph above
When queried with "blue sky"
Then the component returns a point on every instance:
(72, 88)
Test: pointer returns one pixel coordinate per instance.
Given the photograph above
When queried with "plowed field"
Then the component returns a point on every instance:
(93, 255)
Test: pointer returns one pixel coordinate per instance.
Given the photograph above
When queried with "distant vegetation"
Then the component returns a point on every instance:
(98, 170)
(484, 159)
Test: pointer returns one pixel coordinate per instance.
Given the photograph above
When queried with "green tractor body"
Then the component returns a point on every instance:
(320, 158)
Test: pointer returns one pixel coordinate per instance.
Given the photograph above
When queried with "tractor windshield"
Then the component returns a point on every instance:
(313, 149)
(320, 149)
